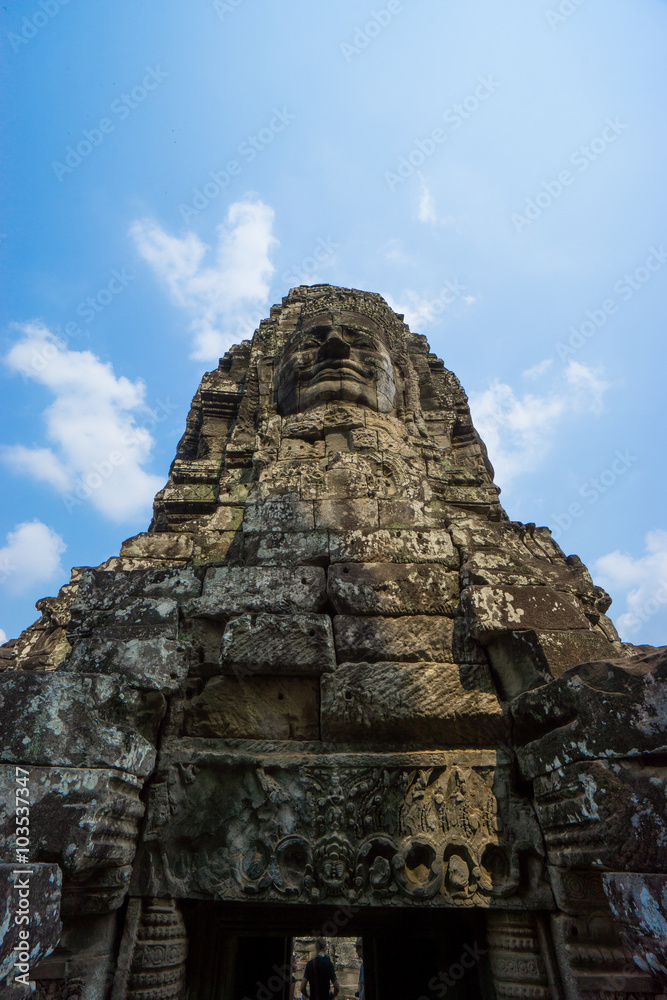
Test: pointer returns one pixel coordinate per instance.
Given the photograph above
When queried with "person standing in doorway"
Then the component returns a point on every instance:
(358, 944)
(318, 974)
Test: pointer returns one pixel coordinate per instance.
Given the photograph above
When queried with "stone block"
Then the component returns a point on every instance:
(258, 708)
(217, 547)
(363, 439)
(555, 652)
(343, 515)
(234, 488)
(416, 638)
(398, 545)
(285, 644)
(293, 449)
(40, 887)
(345, 483)
(424, 703)
(156, 664)
(69, 720)
(230, 590)
(411, 514)
(308, 426)
(341, 418)
(493, 610)
(388, 589)
(85, 819)
(225, 518)
(286, 548)
(282, 512)
(107, 591)
(140, 617)
(612, 708)
(175, 546)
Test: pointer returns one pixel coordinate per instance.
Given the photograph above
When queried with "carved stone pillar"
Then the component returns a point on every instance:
(517, 966)
(594, 962)
(158, 963)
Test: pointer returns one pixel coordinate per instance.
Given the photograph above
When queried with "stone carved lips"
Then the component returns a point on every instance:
(340, 357)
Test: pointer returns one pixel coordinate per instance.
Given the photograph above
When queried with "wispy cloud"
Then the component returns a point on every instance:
(225, 294)
(420, 310)
(641, 580)
(539, 369)
(31, 556)
(98, 446)
(519, 430)
(426, 208)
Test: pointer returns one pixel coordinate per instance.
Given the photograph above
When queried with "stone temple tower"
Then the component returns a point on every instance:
(333, 690)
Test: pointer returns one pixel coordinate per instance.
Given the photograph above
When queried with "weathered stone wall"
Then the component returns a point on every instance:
(298, 681)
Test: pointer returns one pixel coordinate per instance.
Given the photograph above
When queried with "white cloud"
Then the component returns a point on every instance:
(98, 443)
(426, 209)
(641, 582)
(3, 637)
(538, 369)
(31, 556)
(420, 311)
(589, 383)
(40, 463)
(227, 297)
(518, 431)
(393, 251)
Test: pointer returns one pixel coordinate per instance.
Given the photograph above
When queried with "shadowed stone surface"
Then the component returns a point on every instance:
(290, 644)
(419, 637)
(427, 703)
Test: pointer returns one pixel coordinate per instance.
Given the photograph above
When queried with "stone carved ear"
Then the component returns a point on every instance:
(254, 867)
(375, 862)
(293, 859)
(498, 875)
(419, 872)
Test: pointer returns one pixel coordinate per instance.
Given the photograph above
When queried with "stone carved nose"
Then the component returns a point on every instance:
(334, 346)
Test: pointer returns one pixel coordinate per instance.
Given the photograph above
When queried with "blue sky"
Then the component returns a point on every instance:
(495, 170)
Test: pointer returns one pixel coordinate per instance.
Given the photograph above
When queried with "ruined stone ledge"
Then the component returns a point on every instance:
(53, 718)
(303, 752)
(609, 708)
(639, 904)
(158, 545)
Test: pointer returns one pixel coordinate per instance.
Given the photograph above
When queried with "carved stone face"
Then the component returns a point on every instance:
(341, 357)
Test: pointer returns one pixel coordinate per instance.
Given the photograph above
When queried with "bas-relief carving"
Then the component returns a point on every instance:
(369, 829)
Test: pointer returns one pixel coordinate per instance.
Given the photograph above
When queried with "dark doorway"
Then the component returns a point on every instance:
(242, 952)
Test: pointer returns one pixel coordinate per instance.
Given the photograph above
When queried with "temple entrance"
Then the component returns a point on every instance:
(244, 952)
